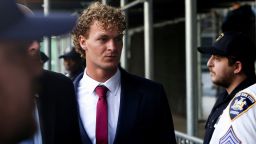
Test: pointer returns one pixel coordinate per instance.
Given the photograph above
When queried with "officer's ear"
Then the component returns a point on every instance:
(237, 67)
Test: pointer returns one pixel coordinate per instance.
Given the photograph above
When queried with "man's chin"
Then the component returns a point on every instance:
(111, 67)
(215, 82)
(36, 71)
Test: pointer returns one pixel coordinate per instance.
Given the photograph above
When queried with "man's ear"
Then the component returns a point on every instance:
(82, 42)
(238, 67)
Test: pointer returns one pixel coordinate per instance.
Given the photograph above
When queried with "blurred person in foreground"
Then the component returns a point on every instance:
(231, 65)
(73, 63)
(16, 104)
(17, 35)
(56, 104)
(115, 106)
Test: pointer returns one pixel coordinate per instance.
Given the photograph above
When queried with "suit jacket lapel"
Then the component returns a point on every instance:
(77, 80)
(129, 104)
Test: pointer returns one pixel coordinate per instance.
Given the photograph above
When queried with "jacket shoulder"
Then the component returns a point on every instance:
(55, 75)
(138, 80)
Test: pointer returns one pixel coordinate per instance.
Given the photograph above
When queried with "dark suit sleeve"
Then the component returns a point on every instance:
(154, 121)
(144, 116)
(58, 109)
(165, 129)
(67, 130)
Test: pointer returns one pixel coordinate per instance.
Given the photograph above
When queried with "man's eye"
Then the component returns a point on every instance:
(217, 57)
(103, 39)
(119, 39)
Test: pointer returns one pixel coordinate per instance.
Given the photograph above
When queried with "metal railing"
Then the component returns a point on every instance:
(182, 138)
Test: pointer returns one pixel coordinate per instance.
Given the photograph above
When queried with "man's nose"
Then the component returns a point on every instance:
(35, 45)
(114, 44)
(111, 45)
(210, 63)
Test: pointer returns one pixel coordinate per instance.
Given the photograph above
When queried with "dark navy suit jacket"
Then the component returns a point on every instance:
(144, 115)
(57, 108)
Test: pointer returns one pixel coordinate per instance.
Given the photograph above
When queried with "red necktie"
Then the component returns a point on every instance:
(101, 116)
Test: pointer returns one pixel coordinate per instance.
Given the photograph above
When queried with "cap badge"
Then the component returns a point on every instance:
(220, 36)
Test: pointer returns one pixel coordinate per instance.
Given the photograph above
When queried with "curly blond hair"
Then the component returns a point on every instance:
(107, 16)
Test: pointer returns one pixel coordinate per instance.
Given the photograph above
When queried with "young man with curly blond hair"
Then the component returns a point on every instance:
(115, 106)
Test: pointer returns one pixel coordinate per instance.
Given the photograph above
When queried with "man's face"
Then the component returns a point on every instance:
(70, 65)
(221, 72)
(16, 101)
(102, 48)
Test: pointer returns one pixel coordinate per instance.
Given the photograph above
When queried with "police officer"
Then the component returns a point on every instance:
(231, 66)
(73, 63)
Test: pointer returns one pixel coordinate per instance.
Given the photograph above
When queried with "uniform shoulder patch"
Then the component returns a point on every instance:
(230, 137)
(240, 104)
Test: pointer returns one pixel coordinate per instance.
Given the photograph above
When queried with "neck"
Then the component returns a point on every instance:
(100, 75)
(236, 81)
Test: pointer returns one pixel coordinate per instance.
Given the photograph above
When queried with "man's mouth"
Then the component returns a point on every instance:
(211, 73)
(111, 56)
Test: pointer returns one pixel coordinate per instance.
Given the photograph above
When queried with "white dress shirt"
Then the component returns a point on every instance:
(87, 100)
(37, 137)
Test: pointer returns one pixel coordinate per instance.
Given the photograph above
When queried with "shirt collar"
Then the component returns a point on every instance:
(90, 84)
(113, 82)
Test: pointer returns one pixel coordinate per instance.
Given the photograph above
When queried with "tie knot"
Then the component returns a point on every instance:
(101, 91)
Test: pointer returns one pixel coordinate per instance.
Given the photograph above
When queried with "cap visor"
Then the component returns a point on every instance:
(35, 27)
(205, 50)
(211, 51)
